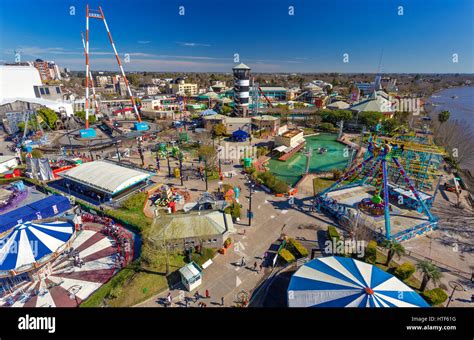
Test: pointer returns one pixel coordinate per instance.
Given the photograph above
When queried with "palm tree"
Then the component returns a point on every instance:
(394, 248)
(430, 272)
(443, 116)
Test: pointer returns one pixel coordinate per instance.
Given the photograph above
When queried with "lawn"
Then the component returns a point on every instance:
(131, 211)
(133, 285)
(319, 184)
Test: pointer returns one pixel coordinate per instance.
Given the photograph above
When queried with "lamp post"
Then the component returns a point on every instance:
(250, 213)
(455, 286)
(205, 174)
(180, 157)
(169, 165)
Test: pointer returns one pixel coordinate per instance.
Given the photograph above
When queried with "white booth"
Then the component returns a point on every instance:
(191, 276)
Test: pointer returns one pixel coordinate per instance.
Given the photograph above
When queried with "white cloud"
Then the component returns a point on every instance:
(192, 44)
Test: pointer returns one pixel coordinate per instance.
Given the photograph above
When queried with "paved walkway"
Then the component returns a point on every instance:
(226, 277)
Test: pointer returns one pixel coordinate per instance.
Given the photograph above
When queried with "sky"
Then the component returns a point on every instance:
(321, 36)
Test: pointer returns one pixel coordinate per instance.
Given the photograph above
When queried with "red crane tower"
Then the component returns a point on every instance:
(88, 132)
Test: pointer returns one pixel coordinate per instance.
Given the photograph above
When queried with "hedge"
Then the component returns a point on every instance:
(435, 296)
(287, 256)
(333, 234)
(371, 252)
(404, 271)
(296, 248)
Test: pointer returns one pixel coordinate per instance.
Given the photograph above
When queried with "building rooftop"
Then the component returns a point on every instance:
(273, 88)
(265, 117)
(241, 66)
(193, 225)
(106, 176)
(214, 117)
(237, 120)
(291, 133)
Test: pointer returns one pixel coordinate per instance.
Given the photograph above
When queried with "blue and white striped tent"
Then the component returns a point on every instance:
(29, 242)
(345, 282)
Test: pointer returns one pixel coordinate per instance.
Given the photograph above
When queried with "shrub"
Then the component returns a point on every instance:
(296, 248)
(326, 127)
(404, 271)
(371, 252)
(206, 254)
(333, 234)
(336, 174)
(279, 187)
(233, 210)
(435, 296)
(287, 256)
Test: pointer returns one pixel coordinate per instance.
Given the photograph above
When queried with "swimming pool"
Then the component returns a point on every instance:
(292, 170)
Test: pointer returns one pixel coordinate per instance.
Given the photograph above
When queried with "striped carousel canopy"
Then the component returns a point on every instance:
(28, 242)
(345, 282)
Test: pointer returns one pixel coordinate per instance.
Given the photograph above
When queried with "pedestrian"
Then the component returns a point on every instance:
(197, 296)
(260, 268)
(242, 262)
(207, 294)
(222, 301)
(255, 266)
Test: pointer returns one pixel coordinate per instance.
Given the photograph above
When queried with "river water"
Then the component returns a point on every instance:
(459, 101)
(461, 108)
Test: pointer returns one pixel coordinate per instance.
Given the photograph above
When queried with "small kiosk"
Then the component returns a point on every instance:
(191, 276)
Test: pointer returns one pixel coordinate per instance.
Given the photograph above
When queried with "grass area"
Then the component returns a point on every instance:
(133, 285)
(145, 284)
(319, 184)
(206, 254)
(118, 281)
(308, 131)
(131, 212)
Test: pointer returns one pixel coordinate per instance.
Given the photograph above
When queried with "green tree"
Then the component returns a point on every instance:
(134, 79)
(389, 125)
(226, 109)
(393, 248)
(370, 119)
(82, 115)
(443, 116)
(430, 272)
(208, 154)
(49, 116)
(219, 130)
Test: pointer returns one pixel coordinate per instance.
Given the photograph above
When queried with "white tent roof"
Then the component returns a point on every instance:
(106, 176)
(18, 81)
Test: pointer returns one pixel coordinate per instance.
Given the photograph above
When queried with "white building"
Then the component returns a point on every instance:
(23, 84)
(18, 81)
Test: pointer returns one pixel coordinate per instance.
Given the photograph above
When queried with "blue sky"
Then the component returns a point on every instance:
(262, 32)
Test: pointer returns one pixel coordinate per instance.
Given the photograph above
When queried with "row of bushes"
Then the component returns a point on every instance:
(270, 181)
(296, 248)
(293, 250)
(333, 233)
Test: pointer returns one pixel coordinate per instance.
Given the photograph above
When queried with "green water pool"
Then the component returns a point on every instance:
(292, 170)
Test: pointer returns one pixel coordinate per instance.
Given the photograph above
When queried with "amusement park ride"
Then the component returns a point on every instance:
(89, 132)
(386, 161)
